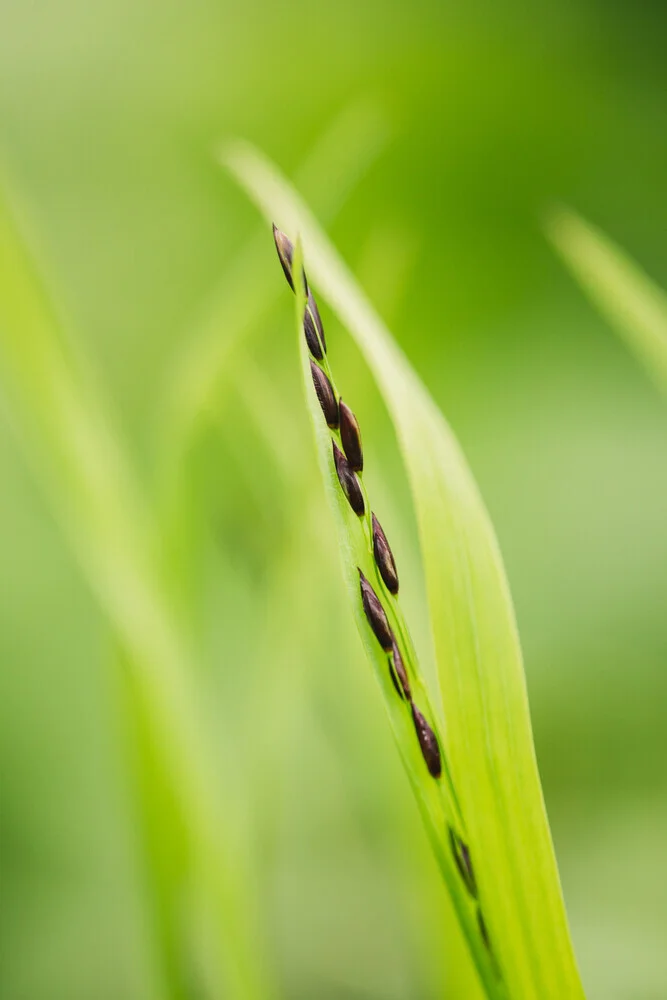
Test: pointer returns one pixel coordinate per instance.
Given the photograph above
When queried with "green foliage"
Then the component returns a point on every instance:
(634, 305)
(482, 690)
(81, 464)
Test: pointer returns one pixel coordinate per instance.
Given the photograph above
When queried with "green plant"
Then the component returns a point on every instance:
(373, 585)
(634, 305)
(480, 720)
(195, 863)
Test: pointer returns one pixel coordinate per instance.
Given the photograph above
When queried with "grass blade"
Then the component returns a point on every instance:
(399, 677)
(487, 740)
(83, 469)
(634, 305)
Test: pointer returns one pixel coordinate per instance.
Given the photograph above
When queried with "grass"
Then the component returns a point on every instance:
(634, 305)
(466, 745)
(201, 905)
(77, 454)
(482, 711)
(372, 584)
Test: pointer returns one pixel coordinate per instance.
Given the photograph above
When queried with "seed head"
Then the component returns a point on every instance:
(351, 437)
(325, 394)
(384, 557)
(428, 742)
(348, 481)
(375, 614)
(399, 670)
(463, 861)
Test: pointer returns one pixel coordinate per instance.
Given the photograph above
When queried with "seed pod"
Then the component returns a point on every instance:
(375, 614)
(314, 345)
(351, 437)
(463, 861)
(285, 249)
(384, 557)
(349, 482)
(325, 395)
(312, 326)
(428, 742)
(399, 670)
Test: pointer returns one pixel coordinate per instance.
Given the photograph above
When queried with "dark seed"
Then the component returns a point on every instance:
(483, 930)
(314, 345)
(311, 306)
(375, 614)
(428, 743)
(463, 861)
(285, 249)
(351, 437)
(349, 482)
(325, 394)
(399, 669)
(384, 557)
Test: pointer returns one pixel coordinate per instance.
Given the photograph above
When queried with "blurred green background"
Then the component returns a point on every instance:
(465, 122)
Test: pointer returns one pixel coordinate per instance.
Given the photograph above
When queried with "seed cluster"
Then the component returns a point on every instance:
(349, 463)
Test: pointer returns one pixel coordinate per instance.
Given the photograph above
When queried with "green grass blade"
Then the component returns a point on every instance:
(436, 798)
(84, 471)
(634, 305)
(487, 739)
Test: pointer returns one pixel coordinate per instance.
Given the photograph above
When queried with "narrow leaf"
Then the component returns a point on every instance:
(487, 741)
(391, 653)
(634, 305)
(82, 466)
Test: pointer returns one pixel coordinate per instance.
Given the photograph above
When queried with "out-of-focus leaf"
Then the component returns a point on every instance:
(634, 305)
(488, 736)
(55, 408)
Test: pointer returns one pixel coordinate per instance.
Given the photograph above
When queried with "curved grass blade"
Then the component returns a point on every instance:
(488, 738)
(389, 648)
(81, 464)
(634, 305)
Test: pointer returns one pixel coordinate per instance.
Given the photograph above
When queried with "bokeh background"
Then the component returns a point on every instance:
(455, 127)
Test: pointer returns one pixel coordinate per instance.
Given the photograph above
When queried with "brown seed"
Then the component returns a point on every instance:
(285, 249)
(384, 557)
(325, 394)
(375, 614)
(428, 742)
(348, 481)
(463, 861)
(351, 437)
(399, 669)
(314, 345)
(312, 325)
